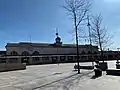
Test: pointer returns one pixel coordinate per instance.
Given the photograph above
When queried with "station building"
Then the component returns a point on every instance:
(40, 53)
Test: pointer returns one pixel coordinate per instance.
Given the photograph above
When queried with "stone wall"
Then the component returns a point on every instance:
(46, 50)
(12, 66)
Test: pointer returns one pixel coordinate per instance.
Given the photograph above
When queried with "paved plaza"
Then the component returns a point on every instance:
(57, 77)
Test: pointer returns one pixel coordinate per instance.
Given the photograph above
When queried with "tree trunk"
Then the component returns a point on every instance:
(102, 56)
(77, 42)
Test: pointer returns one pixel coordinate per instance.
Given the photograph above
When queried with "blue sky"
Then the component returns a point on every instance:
(20, 19)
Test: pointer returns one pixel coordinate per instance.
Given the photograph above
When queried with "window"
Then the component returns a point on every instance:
(62, 58)
(35, 58)
(25, 53)
(70, 58)
(13, 53)
(76, 57)
(2, 60)
(83, 52)
(54, 59)
(36, 53)
(13, 60)
(83, 57)
(45, 58)
(89, 57)
(25, 60)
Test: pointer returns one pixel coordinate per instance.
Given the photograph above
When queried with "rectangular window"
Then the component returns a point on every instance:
(54, 59)
(36, 59)
(2, 60)
(45, 58)
(76, 57)
(62, 58)
(83, 57)
(89, 57)
(70, 58)
(13, 60)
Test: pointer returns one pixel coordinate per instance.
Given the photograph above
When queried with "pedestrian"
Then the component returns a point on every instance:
(75, 67)
(97, 70)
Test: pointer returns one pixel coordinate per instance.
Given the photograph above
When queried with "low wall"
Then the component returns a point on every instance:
(12, 66)
(113, 72)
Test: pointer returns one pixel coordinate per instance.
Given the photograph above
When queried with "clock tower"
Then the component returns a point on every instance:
(58, 39)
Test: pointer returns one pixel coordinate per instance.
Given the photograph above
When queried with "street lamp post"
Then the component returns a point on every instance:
(57, 55)
(90, 37)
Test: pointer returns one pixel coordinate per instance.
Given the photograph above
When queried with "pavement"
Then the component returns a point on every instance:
(57, 77)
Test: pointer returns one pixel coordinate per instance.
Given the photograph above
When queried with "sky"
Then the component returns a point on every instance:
(38, 19)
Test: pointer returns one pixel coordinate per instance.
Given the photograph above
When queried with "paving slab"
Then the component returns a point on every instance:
(57, 77)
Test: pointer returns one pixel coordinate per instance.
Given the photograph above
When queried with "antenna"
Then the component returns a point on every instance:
(30, 38)
(56, 32)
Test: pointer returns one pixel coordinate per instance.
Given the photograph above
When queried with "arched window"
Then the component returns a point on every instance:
(83, 52)
(25, 53)
(35, 53)
(13, 53)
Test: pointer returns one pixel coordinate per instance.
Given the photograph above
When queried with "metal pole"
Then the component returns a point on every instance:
(90, 38)
(57, 55)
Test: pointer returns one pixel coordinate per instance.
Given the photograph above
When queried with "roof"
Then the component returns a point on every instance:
(46, 45)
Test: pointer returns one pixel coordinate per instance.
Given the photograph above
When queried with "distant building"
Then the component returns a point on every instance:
(2, 53)
(41, 53)
(31, 49)
(111, 55)
(35, 53)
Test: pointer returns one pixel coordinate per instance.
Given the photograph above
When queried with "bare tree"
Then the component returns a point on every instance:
(99, 35)
(78, 10)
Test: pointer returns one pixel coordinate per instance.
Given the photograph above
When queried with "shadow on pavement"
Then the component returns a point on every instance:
(74, 70)
(79, 76)
(94, 77)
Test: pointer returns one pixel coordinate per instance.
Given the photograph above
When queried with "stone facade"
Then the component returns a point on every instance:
(36, 53)
(47, 49)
